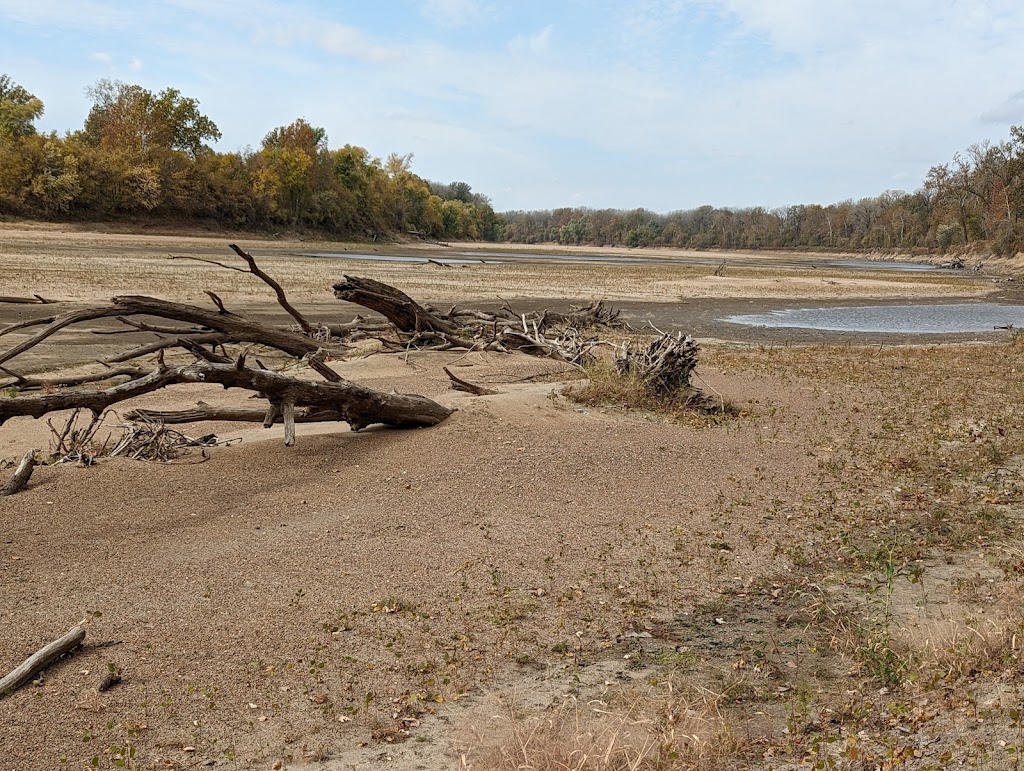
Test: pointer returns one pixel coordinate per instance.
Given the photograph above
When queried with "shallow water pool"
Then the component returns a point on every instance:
(907, 319)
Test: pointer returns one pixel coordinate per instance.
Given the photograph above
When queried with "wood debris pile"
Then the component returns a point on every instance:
(665, 365)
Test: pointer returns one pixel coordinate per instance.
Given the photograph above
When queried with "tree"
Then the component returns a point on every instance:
(56, 184)
(18, 109)
(290, 164)
(132, 119)
(299, 135)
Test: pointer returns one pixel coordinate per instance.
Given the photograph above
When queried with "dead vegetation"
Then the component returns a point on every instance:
(568, 337)
(651, 375)
(647, 727)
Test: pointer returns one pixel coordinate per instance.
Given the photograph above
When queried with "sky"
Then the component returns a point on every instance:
(660, 104)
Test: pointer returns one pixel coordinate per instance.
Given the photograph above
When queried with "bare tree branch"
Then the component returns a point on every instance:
(60, 381)
(281, 298)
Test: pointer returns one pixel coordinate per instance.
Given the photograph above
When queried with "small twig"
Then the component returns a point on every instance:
(281, 298)
(208, 262)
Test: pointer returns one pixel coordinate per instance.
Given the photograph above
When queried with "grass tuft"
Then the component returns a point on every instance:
(629, 730)
(607, 386)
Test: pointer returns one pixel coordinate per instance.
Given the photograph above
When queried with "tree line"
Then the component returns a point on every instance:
(141, 153)
(146, 154)
(974, 203)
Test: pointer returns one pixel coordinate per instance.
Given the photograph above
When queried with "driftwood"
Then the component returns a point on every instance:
(41, 659)
(397, 307)
(21, 475)
(234, 328)
(33, 300)
(204, 411)
(22, 383)
(355, 404)
(665, 365)
(282, 299)
(464, 385)
(190, 343)
(548, 334)
(290, 400)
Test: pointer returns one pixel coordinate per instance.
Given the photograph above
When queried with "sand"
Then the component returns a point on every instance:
(282, 607)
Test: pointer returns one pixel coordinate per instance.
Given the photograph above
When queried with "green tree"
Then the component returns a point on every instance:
(132, 119)
(18, 109)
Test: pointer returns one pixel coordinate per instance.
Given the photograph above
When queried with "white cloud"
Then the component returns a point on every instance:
(135, 65)
(1011, 110)
(102, 57)
(331, 37)
(452, 13)
(65, 13)
(536, 44)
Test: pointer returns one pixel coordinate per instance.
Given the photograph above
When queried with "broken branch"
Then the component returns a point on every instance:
(41, 659)
(21, 476)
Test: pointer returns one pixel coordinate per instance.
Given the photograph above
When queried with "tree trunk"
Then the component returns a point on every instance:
(357, 405)
(396, 306)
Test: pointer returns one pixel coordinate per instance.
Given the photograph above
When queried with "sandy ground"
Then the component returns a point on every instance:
(107, 264)
(273, 607)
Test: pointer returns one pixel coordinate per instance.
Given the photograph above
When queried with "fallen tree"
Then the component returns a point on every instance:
(206, 334)
(355, 404)
(547, 334)
(290, 400)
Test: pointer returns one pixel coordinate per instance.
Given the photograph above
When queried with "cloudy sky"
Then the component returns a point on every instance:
(662, 104)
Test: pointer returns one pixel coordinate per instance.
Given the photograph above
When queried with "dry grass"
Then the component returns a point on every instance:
(652, 728)
(964, 648)
(606, 386)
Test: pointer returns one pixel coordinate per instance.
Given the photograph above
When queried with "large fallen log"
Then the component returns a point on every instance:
(204, 411)
(290, 400)
(355, 404)
(41, 659)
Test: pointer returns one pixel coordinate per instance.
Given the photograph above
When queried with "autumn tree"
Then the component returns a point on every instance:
(137, 149)
(18, 109)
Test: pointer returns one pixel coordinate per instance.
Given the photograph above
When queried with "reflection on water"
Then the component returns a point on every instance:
(911, 319)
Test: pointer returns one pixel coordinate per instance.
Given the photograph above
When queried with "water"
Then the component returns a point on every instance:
(497, 258)
(880, 265)
(907, 319)
(396, 258)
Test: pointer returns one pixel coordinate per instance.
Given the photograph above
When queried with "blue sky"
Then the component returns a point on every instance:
(662, 104)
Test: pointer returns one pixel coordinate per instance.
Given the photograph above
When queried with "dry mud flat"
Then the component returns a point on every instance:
(707, 594)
